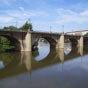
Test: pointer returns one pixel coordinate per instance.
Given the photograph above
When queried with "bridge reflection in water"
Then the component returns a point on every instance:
(26, 62)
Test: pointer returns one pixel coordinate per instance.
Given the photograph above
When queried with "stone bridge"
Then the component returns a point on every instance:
(24, 41)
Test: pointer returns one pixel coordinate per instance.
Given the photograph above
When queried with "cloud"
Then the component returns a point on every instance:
(25, 14)
(11, 16)
(69, 16)
(21, 8)
(6, 19)
(21, 15)
(85, 13)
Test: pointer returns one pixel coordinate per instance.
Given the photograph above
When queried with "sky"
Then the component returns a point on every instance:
(45, 15)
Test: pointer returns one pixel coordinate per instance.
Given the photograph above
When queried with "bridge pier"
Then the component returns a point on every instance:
(80, 42)
(26, 43)
(60, 42)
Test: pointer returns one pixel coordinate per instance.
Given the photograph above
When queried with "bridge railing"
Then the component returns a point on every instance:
(30, 31)
(38, 31)
(13, 30)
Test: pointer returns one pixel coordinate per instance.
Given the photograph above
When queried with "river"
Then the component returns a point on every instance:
(45, 68)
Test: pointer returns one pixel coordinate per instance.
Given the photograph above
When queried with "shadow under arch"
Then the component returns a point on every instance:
(14, 41)
(85, 41)
(51, 41)
(74, 42)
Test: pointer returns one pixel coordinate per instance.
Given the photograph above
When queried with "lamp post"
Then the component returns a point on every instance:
(63, 28)
(50, 28)
(72, 32)
(16, 24)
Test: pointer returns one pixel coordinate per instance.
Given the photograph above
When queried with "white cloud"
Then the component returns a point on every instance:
(69, 16)
(11, 16)
(20, 15)
(6, 19)
(21, 8)
(85, 13)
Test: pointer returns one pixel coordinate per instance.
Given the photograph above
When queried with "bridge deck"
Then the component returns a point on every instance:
(36, 32)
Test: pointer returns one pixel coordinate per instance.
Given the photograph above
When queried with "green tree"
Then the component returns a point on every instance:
(86, 35)
(5, 28)
(5, 44)
(10, 28)
(27, 26)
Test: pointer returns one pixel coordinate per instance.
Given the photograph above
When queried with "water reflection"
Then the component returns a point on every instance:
(27, 63)
(1, 65)
(26, 60)
(24, 65)
(67, 48)
(80, 50)
(43, 49)
(60, 53)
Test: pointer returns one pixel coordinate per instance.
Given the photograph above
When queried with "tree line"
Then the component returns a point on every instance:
(27, 26)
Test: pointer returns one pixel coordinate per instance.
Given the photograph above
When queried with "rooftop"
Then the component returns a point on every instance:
(78, 31)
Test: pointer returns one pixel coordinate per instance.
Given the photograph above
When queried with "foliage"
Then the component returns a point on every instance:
(10, 28)
(67, 41)
(5, 44)
(7, 58)
(86, 35)
(27, 26)
(44, 41)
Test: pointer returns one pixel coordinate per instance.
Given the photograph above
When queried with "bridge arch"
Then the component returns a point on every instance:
(50, 40)
(13, 41)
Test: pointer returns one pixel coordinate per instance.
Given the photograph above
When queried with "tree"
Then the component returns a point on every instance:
(86, 35)
(10, 28)
(5, 44)
(27, 26)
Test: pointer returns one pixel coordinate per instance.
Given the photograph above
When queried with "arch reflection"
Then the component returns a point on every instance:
(60, 54)
(25, 61)
(26, 58)
(80, 50)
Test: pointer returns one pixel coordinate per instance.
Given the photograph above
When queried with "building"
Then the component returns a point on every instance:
(83, 32)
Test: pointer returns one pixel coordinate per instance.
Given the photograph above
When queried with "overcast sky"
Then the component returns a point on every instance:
(73, 14)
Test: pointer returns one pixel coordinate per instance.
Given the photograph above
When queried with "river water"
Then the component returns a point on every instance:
(45, 68)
